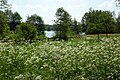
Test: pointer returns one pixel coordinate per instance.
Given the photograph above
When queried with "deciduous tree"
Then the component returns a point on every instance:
(76, 27)
(38, 22)
(98, 22)
(14, 19)
(27, 31)
(3, 23)
(62, 23)
(4, 4)
(118, 24)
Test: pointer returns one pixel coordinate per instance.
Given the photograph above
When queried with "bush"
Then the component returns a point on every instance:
(26, 31)
(60, 37)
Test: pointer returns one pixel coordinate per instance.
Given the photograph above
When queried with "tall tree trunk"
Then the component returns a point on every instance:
(106, 32)
(107, 35)
(98, 36)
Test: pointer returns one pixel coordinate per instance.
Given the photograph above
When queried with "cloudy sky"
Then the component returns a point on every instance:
(47, 8)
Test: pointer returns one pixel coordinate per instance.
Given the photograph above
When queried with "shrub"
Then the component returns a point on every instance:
(26, 31)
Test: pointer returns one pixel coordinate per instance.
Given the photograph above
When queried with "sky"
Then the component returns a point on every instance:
(47, 8)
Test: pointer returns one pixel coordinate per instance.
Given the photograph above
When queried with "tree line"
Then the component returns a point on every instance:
(93, 22)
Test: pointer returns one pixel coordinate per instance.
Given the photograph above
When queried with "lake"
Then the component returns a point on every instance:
(49, 34)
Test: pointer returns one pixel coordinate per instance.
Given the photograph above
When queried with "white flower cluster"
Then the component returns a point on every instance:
(59, 60)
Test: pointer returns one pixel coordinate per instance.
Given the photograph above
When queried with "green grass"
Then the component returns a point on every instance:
(84, 58)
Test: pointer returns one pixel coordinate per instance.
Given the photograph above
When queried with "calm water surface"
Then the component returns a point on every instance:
(49, 34)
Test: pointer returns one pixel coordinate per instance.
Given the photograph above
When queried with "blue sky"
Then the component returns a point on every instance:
(47, 8)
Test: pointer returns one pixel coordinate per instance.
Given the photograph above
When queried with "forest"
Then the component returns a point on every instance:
(93, 22)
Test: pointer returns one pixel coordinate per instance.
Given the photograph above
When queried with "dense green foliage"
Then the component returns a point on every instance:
(20, 31)
(62, 23)
(76, 27)
(77, 59)
(3, 23)
(93, 22)
(49, 27)
(97, 22)
(14, 19)
(4, 4)
(38, 22)
(26, 31)
(118, 24)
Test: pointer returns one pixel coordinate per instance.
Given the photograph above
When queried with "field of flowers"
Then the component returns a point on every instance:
(81, 59)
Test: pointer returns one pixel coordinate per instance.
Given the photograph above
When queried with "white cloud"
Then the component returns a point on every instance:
(60, 0)
(15, 7)
(47, 8)
(38, 7)
(107, 4)
(76, 0)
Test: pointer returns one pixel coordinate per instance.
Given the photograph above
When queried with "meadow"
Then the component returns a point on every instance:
(84, 58)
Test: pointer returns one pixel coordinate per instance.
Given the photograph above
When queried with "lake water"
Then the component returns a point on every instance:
(49, 34)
